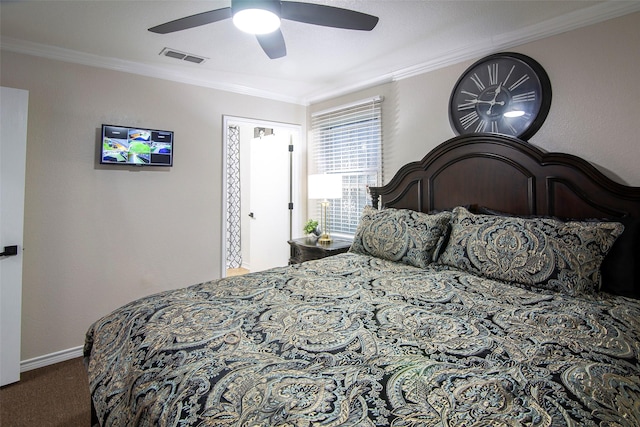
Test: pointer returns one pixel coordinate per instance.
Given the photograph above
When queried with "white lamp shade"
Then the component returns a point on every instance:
(324, 186)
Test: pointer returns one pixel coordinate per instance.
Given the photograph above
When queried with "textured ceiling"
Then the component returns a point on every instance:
(411, 37)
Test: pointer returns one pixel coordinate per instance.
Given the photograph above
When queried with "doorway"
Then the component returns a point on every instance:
(262, 161)
(13, 151)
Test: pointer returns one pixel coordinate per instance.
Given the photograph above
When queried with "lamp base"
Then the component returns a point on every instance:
(325, 239)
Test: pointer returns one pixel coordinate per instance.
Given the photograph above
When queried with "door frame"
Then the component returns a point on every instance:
(298, 167)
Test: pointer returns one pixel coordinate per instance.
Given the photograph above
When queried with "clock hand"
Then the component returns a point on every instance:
(493, 101)
(492, 104)
(480, 101)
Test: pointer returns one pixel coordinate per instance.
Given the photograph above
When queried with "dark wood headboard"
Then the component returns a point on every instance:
(508, 175)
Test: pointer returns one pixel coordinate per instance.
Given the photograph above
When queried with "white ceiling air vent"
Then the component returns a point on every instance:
(183, 56)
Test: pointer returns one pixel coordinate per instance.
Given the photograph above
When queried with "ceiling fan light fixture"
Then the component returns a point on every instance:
(256, 21)
(262, 19)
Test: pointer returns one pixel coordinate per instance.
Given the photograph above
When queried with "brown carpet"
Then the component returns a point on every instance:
(53, 396)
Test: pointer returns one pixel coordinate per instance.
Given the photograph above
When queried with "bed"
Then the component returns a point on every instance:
(490, 284)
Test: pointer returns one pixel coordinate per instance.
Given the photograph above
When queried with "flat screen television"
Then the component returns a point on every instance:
(122, 145)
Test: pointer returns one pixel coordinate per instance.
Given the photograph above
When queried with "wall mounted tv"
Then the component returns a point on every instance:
(136, 146)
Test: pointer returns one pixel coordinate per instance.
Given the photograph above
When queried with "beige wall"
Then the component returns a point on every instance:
(98, 237)
(594, 113)
(89, 242)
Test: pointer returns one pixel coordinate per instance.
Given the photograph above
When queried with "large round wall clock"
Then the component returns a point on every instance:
(506, 93)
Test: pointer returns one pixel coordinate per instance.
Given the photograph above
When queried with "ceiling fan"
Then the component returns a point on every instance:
(262, 18)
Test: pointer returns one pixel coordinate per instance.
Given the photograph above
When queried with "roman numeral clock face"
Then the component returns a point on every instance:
(505, 93)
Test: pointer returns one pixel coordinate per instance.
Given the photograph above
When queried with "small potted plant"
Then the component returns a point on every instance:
(311, 229)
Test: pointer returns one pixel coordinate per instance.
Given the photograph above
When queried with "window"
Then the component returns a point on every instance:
(348, 141)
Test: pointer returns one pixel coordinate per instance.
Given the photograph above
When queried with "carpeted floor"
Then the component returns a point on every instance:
(53, 396)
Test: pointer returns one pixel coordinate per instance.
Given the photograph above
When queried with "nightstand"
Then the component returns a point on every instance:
(306, 250)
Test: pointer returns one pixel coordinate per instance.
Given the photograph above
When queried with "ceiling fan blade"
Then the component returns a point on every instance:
(273, 44)
(192, 21)
(328, 16)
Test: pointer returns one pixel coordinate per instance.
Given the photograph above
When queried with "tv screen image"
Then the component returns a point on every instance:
(136, 146)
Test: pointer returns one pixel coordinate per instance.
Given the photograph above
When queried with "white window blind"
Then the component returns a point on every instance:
(348, 141)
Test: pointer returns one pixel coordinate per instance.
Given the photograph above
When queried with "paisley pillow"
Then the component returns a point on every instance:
(539, 252)
(620, 269)
(400, 235)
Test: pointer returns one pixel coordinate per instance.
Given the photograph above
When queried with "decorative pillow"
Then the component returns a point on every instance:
(400, 235)
(540, 252)
(620, 269)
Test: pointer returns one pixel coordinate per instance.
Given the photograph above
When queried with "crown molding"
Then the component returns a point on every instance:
(567, 22)
(560, 24)
(67, 55)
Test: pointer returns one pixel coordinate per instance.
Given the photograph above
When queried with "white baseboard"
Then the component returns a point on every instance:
(50, 359)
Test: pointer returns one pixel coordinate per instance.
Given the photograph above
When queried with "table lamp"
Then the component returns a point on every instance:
(325, 187)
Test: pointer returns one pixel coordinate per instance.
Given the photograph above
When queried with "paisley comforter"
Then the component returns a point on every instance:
(354, 340)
